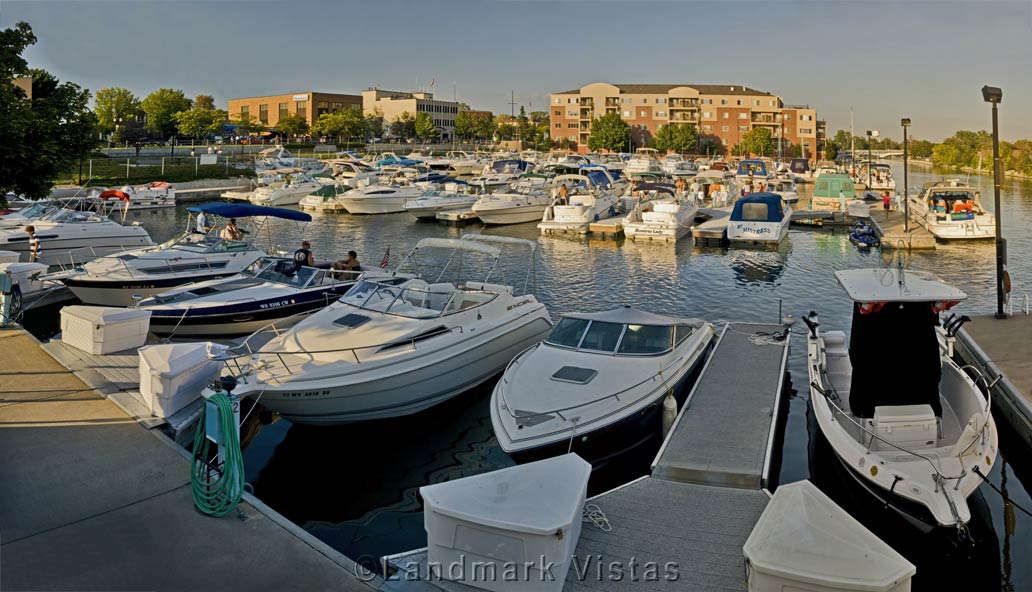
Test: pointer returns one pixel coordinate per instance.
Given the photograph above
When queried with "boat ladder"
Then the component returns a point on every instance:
(1024, 304)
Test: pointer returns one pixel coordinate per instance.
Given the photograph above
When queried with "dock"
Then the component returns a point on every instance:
(610, 228)
(94, 500)
(714, 230)
(1001, 349)
(457, 217)
(706, 491)
(890, 230)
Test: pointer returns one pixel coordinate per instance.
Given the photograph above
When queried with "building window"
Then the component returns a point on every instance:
(660, 113)
(723, 101)
(301, 108)
(558, 101)
(284, 110)
(725, 128)
(571, 113)
(626, 113)
(756, 102)
(661, 101)
(707, 114)
(573, 125)
(263, 113)
(772, 103)
(625, 100)
(788, 130)
(338, 106)
(569, 101)
(643, 113)
(572, 138)
(558, 125)
(743, 116)
(807, 130)
(709, 101)
(558, 113)
(726, 115)
(244, 111)
(738, 102)
(743, 128)
(707, 128)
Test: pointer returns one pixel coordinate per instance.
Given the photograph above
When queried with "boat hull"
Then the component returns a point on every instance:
(383, 205)
(120, 293)
(757, 232)
(515, 215)
(233, 320)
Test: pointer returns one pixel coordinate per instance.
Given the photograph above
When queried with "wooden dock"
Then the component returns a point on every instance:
(890, 231)
(1001, 349)
(610, 228)
(457, 217)
(706, 491)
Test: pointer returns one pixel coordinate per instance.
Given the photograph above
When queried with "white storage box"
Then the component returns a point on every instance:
(858, 208)
(9, 257)
(804, 542)
(104, 330)
(25, 275)
(906, 424)
(528, 515)
(173, 375)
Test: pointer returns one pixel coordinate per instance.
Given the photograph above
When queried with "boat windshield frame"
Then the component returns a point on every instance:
(674, 338)
(361, 296)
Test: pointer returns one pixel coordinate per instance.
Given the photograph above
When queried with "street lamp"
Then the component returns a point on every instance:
(994, 95)
(871, 134)
(905, 122)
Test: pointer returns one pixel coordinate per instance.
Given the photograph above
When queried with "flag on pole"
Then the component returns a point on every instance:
(386, 258)
(433, 82)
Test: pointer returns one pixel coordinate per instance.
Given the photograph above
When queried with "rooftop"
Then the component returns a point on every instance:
(706, 89)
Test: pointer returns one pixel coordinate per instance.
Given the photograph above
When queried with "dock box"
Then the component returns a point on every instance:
(522, 522)
(173, 375)
(103, 330)
(25, 275)
(906, 424)
(9, 257)
(858, 208)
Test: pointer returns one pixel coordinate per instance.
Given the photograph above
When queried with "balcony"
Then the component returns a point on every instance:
(684, 103)
(612, 102)
(683, 118)
(587, 101)
(587, 113)
(765, 119)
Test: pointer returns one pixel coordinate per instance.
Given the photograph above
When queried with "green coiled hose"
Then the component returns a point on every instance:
(220, 496)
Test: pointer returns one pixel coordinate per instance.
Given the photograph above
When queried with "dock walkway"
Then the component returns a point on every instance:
(92, 500)
(890, 231)
(705, 493)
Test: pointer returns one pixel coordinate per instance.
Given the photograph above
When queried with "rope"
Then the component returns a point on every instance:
(978, 472)
(217, 496)
(595, 515)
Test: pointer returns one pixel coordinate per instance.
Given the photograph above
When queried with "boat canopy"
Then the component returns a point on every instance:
(501, 240)
(799, 165)
(241, 210)
(460, 244)
(752, 167)
(758, 207)
(830, 185)
(627, 315)
(510, 165)
(710, 174)
(894, 285)
(114, 194)
(657, 187)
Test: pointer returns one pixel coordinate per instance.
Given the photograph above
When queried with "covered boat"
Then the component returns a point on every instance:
(759, 218)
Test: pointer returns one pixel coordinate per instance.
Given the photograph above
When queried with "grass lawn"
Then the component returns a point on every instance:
(111, 172)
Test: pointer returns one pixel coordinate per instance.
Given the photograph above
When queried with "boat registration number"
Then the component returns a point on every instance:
(321, 393)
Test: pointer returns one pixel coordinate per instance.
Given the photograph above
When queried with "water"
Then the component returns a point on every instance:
(356, 486)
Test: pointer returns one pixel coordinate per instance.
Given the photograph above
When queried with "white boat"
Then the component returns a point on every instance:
(825, 169)
(951, 210)
(877, 176)
(380, 199)
(667, 218)
(434, 201)
(715, 190)
(752, 170)
(395, 347)
(325, 199)
(675, 165)
(586, 201)
(143, 197)
(759, 218)
(596, 385)
(119, 279)
(287, 193)
(513, 207)
(278, 157)
(456, 162)
(644, 160)
(785, 188)
(920, 441)
(499, 173)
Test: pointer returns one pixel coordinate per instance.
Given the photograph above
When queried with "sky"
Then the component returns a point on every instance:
(885, 60)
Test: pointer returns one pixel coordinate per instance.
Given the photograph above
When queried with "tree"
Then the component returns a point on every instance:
(485, 126)
(43, 136)
(200, 122)
(920, 148)
(247, 124)
(292, 125)
(465, 125)
(340, 124)
(374, 124)
(130, 133)
(756, 141)
(206, 102)
(114, 106)
(711, 144)
(678, 137)
(161, 107)
(425, 128)
(505, 128)
(404, 125)
(608, 132)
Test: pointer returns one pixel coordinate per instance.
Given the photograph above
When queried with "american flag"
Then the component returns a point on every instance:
(386, 258)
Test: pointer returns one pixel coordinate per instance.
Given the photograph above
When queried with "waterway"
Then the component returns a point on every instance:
(356, 486)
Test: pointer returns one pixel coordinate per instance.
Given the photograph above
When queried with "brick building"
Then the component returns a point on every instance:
(309, 104)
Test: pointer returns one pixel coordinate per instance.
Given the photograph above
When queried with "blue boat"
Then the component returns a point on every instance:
(752, 167)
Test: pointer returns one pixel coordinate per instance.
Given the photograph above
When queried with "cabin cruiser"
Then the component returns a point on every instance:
(380, 199)
(270, 289)
(951, 210)
(715, 189)
(397, 346)
(917, 444)
(433, 201)
(326, 199)
(354, 173)
(785, 188)
(751, 170)
(675, 165)
(585, 200)
(289, 192)
(596, 385)
(517, 205)
(667, 218)
(644, 160)
(158, 194)
(456, 162)
(500, 173)
(121, 278)
(877, 176)
(759, 218)
(69, 236)
(278, 157)
(800, 170)
(611, 180)
(825, 169)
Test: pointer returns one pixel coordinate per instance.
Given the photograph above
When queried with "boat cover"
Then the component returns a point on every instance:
(242, 210)
(775, 213)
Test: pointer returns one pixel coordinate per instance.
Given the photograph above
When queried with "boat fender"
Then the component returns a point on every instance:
(669, 412)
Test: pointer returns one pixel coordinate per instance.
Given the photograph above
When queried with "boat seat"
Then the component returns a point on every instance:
(437, 295)
(909, 426)
(835, 344)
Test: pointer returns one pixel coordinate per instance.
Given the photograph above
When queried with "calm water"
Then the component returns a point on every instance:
(356, 486)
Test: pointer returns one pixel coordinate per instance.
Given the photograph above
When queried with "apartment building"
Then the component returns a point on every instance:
(391, 104)
(309, 104)
(721, 112)
(800, 123)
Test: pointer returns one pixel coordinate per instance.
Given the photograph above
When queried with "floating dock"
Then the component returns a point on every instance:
(714, 230)
(890, 230)
(457, 217)
(610, 228)
(93, 500)
(706, 491)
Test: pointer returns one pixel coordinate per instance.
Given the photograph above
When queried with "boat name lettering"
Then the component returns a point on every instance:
(516, 305)
(757, 230)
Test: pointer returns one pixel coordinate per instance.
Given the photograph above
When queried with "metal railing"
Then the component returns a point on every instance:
(1024, 305)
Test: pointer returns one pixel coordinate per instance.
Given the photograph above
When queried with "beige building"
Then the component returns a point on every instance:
(391, 104)
(309, 104)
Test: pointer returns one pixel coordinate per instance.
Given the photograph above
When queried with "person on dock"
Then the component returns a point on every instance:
(886, 203)
(34, 249)
(303, 257)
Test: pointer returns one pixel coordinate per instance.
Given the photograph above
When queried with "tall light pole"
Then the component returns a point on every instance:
(871, 134)
(905, 122)
(994, 95)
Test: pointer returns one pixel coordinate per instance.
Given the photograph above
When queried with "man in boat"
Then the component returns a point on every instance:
(231, 232)
(564, 193)
(348, 264)
(303, 257)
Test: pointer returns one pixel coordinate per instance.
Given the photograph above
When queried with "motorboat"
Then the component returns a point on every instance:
(456, 162)
(825, 169)
(785, 188)
(270, 289)
(877, 176)
(499, 173)
(800, 169)
(395, 347)
(951, 210)
(751, 170)
(667, 218)
(675, 165)
(380, 199)
(515, 206)
(644, 160)
(610, 180)
(715, 190)
(353, 173)
(596, 385)
(289, 192)
(759, 218)
(832, 191)
(919, 444)
(278, 157)
(158, 194)
(434, 201)
(326, 199)
(69, 236)
(585, 200)
(120, 279)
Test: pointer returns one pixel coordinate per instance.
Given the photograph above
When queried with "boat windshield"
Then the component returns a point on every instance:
(37, 210)
(614, 338)
(418, 302)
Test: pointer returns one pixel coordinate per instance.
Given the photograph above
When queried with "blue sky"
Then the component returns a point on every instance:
(925, 60)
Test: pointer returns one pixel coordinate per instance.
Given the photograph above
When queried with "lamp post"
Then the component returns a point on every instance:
(905, 122)
(994, 95)
(871, 134)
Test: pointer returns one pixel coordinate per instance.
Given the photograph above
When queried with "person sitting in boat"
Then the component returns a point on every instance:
(350, 263)
(563, 194)
(231, 232)
(303, 257)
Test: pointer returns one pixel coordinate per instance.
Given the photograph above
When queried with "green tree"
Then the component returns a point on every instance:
(678, 137)
(292, 125)
(505, 128)
(919, 148)
(247, 125)
(133, 132)
(161, 107)
(756, 141)
(348, 123)
(374, 124)
(425, 128)
(114, 106)
(485, 126)
(200, 122)
(608, 132)
(403, 126)
(43, 136)
(465, 125)
(206, 102)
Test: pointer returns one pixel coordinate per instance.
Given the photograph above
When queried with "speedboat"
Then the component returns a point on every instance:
(785, 188)
(380, 199)
(118, 279)
(352, 172)
(456, 162)
(69, 237)
(512, 207)
(920, 443)
(675, 165)
(278, 157)
(586, 201)
(759, 218)
(499, 173)
(716, 190)
(433, 201)
(270, 289)
(800, 169)
(751, 170)
(664, 219)
(325, 199)
(877, 176)
(395, 347)
(645, 160)
(158, 194)
(951, 210)
(596, 385)
(289, 192)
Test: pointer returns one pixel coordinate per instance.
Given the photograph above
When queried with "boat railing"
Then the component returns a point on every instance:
(1024, 305)
(91, 255)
